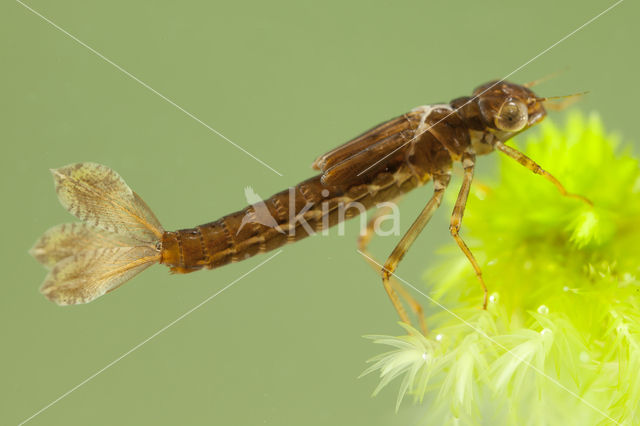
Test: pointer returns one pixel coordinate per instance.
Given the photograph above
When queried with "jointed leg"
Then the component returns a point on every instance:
(363, 242)
(468, 162)
(535, 168)
(440, 183)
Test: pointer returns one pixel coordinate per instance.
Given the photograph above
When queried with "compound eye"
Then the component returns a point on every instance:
(512, 116)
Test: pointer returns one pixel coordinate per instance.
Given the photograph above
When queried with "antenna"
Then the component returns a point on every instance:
(557, 106)
(545, 78)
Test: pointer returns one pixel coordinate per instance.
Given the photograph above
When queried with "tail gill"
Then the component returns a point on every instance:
(117, 238)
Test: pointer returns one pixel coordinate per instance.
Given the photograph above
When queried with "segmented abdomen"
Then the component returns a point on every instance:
(267, 225)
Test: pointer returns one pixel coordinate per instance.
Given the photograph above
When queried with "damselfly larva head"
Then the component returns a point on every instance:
(508, 108)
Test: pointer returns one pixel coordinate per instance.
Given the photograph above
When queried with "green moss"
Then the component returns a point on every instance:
(560, 341)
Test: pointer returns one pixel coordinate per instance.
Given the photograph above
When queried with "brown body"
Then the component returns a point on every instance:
(119, 236)
(420, 144)
(218, 243)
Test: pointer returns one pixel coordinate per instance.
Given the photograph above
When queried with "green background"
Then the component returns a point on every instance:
(287, 81)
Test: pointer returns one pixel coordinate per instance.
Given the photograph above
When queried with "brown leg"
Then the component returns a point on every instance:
(440, 184)
(363, 242)
(535, 168)
(468, 162)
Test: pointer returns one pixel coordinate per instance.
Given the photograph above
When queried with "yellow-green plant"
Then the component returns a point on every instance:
(560, 340)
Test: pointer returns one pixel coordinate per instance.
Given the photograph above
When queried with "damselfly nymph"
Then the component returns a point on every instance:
(119, 236)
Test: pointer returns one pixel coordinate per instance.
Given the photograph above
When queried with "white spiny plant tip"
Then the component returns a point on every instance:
(415, 357)
(562, 346)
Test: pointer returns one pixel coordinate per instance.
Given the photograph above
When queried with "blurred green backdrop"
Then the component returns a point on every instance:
(286, 80)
